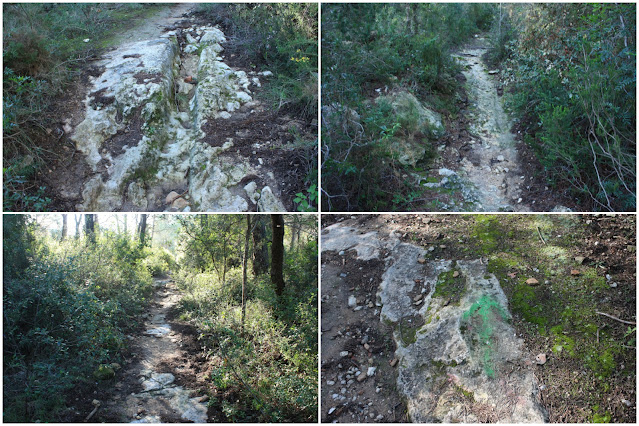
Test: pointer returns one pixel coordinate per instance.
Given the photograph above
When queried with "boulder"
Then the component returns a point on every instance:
(337, 115)
(421, 119)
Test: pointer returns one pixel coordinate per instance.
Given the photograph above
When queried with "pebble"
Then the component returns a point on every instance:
(331, 410)
(341, 253)
(343, 354)
(352, 301)
(361, 377)
(343, 275)
(330, 382)
(393, 363)
(540, 359)
(371, 371)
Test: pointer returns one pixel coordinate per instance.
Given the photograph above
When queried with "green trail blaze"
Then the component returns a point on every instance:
(483, 313)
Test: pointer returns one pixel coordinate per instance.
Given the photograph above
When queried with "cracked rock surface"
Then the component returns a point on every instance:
(142, 128)
(458, 357)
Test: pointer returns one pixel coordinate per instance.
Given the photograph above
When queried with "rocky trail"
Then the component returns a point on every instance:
(163, 381)
(150, 127)
(406, 336)
(492, 163)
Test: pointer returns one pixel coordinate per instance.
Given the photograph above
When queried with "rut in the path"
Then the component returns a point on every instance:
(158, 398)
(493, 167)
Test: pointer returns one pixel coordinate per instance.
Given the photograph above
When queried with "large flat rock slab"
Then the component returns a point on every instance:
(459, 357)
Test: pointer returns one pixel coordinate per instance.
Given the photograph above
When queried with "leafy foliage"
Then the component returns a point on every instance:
(66, 308)
(266, 368)
(573, 81)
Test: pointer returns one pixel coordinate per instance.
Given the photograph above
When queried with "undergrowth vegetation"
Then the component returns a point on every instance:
(44, 49)
(265, 348)
(370, 50)
(572, 75)
(67, 305)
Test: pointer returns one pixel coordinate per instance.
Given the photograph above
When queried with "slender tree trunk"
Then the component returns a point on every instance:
(142, 229)
(89, 227)
(78, 221)
(126, 231)
(65, 228)
(260, 248)
(244, 266)
(153, 230)
(277, 253)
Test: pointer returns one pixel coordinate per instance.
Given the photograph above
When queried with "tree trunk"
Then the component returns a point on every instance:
(89, 227)
(260, 248)
(294, 226)
(277, 253)
(244, 266)
(126, 231)
(65, 228)
(78, 221)
(142, 229)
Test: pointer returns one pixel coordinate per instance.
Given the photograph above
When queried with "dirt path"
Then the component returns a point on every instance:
(153, 27)
(492, 166)
(153, 388)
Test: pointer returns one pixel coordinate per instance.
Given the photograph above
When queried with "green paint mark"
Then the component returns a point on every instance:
(482, 315)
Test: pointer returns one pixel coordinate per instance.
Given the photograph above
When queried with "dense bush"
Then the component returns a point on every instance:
(159, 262)
(573, 82)
(370, 49)
(66, 307)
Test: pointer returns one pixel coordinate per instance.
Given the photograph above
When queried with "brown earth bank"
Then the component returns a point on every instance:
(583, 267)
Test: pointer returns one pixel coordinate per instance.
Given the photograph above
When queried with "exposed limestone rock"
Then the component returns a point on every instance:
(455, 351)
(268, 202)
(415, 119)
(407, 108)
(141, 133)
(346, 118)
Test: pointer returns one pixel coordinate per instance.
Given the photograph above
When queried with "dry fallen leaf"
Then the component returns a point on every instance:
(532, 281)
(455, 274)
(574, 272)
(512, 274)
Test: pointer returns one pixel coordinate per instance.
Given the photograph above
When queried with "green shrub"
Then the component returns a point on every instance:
(66, 309)
(159, 262)
(574, 89)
